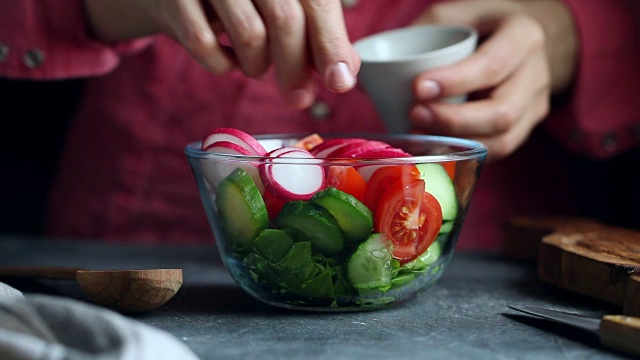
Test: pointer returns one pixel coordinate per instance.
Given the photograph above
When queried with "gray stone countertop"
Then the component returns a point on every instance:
(464, 316)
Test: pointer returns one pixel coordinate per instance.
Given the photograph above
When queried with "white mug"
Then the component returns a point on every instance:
(392, 59)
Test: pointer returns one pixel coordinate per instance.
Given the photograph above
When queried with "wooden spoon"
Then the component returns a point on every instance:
(123, 290)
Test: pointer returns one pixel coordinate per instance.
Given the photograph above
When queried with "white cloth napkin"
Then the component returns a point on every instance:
(36, 326)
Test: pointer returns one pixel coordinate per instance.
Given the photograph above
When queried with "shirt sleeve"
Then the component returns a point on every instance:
(50, 40)
(601, 115)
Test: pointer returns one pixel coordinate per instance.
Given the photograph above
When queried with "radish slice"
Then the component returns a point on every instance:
(271, 144)
(279, 151)
(298, 179)
(326, 147)
(216, 170)
(354, 149)
(383, 153)
(235, 136)
(367, 170)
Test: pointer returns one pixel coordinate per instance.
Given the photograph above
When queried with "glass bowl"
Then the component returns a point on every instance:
(348, 233)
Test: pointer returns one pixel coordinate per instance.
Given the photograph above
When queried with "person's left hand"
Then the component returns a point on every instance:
(509, 78)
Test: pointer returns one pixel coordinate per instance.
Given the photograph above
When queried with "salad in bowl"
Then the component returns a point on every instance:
(335, 222)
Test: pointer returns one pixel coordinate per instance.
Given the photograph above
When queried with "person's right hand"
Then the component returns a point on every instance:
(298, 37)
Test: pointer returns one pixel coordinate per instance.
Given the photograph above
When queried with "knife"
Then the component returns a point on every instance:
(618, 332)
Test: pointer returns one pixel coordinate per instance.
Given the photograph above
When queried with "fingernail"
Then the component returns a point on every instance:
(300, 99)
(339, 77)
(422, 115)
(427, 89)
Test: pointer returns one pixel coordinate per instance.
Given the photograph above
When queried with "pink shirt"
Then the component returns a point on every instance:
(123, 175)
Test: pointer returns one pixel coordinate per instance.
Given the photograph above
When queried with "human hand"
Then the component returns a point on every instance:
(509, 77)
(298, 37)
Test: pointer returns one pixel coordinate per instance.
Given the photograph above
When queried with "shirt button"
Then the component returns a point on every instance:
(575, 137)
(4, 52)
(320, 110)
(609, 142)
(349, 3)
(33, 58)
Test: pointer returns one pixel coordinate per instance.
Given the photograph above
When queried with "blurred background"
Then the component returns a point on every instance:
(33, 135)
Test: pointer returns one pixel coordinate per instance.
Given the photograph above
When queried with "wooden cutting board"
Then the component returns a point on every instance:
(581, 255)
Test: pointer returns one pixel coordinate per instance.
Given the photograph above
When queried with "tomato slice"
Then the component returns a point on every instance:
(410, 217)
(383, 178)
(309, 141)
(273, 203)
(347, 179)
(450, 167)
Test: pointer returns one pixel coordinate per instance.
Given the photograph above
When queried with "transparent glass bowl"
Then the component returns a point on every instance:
(291, 271)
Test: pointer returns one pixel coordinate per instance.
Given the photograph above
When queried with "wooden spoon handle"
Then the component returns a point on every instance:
(48, 272)
(621, 333)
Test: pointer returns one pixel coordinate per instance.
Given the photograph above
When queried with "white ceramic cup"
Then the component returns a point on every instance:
(392, 59)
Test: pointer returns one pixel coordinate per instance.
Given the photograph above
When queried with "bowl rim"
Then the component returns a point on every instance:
(469, 37)
(474, 150)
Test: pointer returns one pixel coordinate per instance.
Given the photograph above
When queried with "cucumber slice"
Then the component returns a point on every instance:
(354, 218)
(439, 184)
(314, 223)
(242, 211)
(432, 254)
(447, 226)
(370, 265)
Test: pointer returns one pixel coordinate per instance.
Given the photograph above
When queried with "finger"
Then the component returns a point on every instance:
(477, 118)
(497, 114)
(247, 32)
(288, 36)
(355, 60)
(502, 145)
(333, 54)
(188, 25)
(490, 65)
